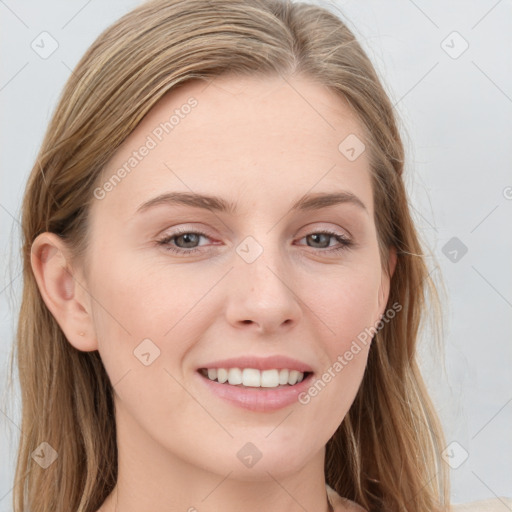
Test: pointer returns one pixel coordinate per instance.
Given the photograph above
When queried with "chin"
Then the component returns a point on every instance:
(253, 461)
(276, 466)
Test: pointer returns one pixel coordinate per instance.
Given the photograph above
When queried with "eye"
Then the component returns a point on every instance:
(182, 237)
(318, 236)
(184, 241)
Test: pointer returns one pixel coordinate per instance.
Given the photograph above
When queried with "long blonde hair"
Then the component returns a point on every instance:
(386, 454)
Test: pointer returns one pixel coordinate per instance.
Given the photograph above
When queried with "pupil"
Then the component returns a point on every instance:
(187, 237)
(317, 236)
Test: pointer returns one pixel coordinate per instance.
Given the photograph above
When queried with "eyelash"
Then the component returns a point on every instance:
(345, 242)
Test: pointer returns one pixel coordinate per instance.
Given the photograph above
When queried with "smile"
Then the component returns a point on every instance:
(266, 397)
(254, 378)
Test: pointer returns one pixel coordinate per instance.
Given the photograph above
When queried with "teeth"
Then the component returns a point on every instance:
(251, 377)
(292, 378)
(222, 375)
(235, 376)
(269, 378)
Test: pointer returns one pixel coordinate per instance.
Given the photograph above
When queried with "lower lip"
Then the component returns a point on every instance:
(258, 399)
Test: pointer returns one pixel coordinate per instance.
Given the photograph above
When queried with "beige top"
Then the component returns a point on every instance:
(340, 504)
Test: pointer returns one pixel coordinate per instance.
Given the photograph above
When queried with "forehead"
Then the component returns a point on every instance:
(262, 138)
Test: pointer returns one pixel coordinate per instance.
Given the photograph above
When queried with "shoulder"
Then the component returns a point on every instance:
(494, 505)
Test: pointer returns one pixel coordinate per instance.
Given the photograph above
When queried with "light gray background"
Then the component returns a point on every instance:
(456, 120)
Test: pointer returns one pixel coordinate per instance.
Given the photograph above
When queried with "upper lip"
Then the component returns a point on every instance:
(261, 363)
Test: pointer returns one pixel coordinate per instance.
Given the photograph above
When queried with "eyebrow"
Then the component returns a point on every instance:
(308, 202)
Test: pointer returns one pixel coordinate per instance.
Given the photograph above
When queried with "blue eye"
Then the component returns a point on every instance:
(193, 237)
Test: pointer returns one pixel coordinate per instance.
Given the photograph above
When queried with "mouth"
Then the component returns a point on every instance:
(258, 384)
(275, 378)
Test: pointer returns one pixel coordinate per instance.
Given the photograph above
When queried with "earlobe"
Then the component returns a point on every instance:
(58, 287)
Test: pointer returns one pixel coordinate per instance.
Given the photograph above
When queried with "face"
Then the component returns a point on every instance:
(263, 275)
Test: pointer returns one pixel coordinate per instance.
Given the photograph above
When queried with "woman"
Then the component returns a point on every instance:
(223, 285)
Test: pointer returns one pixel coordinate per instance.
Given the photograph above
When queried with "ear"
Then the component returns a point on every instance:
(63, 292)
(385, 282)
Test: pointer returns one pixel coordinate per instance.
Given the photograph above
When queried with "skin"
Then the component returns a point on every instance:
(247, 140)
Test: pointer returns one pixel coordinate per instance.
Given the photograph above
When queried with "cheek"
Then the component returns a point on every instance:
(333, 390)
(134, 302)
(145, 326)
(346, 311)
(346, 304)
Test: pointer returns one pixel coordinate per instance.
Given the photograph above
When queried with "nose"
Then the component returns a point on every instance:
(262, 294)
